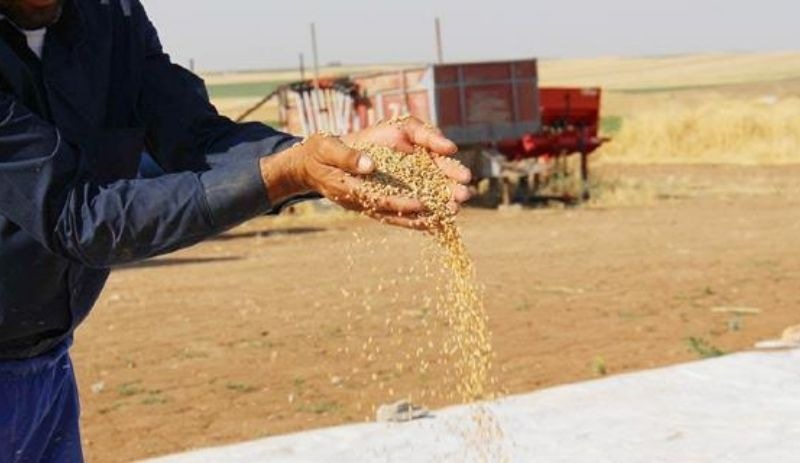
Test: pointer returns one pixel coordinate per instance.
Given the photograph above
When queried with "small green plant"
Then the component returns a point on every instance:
(599, 367)
(114, 407)
(243, 388)
(735, 323)
(703, 348)
(610, 125)
(335, 332)
(523, 307)
(193, 354)
(320, 408)
(298, 382)
(154, 398)
(130, 389)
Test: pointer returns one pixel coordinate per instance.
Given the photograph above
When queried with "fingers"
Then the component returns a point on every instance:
(341, 188)
(413, 223)
(399, 205)
(346, 190)
(428, 137)
(393, 205)
(392, 210)
(461, 194)
(337, 168)
(454, 169)
(460, 175)
(333, 152)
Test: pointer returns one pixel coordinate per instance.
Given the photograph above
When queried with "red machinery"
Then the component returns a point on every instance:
(495, 111)
(569, 124)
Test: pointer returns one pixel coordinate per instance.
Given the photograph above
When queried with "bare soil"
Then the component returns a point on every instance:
(282, 324)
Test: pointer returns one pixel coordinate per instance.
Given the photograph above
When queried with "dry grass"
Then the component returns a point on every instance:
(700, 109)
(647, 185)
(719, 130)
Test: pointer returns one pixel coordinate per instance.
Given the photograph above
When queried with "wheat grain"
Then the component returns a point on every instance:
(416, 175)
(467, 346)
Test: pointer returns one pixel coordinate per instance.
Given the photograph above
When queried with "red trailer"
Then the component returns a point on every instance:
(495, 111)
(473, 103)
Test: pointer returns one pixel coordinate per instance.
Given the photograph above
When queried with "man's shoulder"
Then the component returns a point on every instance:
(105, 8)
(101, 17)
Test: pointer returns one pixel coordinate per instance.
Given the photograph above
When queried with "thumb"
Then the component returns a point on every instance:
(365, 164)
(343, 157)
(354, 161)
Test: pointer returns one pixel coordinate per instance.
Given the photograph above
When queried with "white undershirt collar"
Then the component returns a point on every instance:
(34, 38)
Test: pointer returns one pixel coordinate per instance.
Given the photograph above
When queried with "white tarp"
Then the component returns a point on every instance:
(738, 408)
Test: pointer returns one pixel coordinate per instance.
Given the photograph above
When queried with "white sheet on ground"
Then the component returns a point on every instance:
(738, 408)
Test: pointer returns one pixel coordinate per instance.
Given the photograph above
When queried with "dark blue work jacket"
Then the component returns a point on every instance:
(72, 129)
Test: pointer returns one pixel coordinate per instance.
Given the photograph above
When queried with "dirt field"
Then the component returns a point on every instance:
(262, 331)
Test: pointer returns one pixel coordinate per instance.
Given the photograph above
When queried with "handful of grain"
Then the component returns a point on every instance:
(416, 175)
(412, 175)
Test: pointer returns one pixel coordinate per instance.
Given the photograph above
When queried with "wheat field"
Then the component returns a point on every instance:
(720, 130)
(710, 109)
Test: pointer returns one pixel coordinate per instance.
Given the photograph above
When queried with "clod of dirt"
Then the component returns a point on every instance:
(400, 412)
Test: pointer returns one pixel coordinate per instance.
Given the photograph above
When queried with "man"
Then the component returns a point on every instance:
(85, 88)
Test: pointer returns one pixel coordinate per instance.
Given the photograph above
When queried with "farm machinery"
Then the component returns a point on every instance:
(510, 131)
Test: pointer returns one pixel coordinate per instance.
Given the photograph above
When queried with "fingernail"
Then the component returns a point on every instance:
(365, 164)
(462, 193)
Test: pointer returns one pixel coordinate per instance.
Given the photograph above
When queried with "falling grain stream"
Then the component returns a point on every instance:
(466, 347)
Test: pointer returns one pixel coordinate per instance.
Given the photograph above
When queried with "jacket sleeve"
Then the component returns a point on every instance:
(184, 130)
(46, 190)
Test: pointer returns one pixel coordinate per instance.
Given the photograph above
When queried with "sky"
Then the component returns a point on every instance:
(265, 34)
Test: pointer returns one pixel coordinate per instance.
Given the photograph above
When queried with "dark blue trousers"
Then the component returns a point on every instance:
(39, 410)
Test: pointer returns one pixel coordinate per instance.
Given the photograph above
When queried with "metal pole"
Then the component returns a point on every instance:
(585, 194)
(302, 67)
(258, 105)
(316, 55)
(439, 52)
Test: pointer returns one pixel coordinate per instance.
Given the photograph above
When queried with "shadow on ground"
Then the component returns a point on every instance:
(268, 233)
(172, 261)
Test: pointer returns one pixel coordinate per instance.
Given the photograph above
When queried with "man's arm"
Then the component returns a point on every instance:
(46, 190)
(184, 130)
